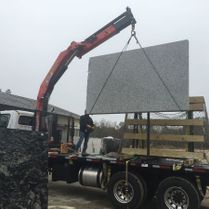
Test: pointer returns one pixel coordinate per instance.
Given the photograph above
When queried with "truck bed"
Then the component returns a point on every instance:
(182, 165)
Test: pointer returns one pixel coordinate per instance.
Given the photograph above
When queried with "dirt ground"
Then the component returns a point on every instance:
(78, 197)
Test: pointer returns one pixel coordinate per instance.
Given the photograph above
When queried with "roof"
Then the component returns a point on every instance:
(14, 102)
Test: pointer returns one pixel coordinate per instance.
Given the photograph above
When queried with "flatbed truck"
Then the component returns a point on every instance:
(130, 180)
(133, 180)
(177, 181)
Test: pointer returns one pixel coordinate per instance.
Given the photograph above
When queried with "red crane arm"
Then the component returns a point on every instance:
(76, 49)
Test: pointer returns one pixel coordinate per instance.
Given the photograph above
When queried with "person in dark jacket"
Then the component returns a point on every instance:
(86, 127)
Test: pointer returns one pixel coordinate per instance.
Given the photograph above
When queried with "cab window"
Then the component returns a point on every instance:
(4, 120)
(26, 120)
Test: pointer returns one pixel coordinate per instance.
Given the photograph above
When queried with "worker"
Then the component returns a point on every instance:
(86, 127)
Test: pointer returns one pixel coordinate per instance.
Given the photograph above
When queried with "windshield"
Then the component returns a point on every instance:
(4, 120)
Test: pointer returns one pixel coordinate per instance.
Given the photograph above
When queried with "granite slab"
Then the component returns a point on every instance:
(23, 170)
(135, 86)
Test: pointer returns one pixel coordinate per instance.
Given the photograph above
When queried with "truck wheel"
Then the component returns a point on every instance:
(125, 195)
(177, 192)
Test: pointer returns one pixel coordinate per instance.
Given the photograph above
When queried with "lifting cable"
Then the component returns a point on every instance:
(155, 69)
(133, 34)
(113, 68)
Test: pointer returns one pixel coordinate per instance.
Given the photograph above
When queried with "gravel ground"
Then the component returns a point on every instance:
(77, 197)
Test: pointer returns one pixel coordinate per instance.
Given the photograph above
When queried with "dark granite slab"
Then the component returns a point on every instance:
(23, 170)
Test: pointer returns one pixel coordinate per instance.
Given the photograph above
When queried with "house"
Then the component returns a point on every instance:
(63, 117)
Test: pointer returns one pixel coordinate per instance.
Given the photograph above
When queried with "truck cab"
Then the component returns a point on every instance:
(17, 119)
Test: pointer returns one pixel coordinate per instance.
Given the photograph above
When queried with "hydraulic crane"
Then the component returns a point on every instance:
(76, 49)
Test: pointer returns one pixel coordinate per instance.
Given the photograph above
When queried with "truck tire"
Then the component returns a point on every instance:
(177, 192)
(125, 196)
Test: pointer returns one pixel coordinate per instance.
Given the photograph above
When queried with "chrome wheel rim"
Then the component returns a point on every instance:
(176, 198)
(123, 192)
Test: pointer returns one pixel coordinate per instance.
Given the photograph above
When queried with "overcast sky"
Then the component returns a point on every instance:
(34, 32)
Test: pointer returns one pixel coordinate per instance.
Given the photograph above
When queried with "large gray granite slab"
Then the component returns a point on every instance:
(134, 85)
(23, 170)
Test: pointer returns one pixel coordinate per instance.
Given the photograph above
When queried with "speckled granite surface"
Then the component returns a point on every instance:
(23, 170)
(134, 85)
